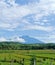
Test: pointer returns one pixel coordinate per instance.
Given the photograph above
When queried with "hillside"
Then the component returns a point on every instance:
(32, 40)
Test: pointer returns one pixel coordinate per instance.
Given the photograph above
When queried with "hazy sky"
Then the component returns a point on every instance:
(35, 18)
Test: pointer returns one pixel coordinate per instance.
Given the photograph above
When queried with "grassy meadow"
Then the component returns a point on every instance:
(27, 57)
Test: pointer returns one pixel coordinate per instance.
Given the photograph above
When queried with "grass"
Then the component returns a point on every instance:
(19, 57)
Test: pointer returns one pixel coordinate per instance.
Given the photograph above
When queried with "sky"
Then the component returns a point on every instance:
(34, 18)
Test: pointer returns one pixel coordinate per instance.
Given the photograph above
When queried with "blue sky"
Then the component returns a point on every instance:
(35, 18)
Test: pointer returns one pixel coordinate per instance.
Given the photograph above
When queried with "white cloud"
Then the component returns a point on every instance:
(2, 39)
(17, 39)
(38, 27)
(13, 15)
(8, 26)
(16, 13)
(45, 20)
(39, 23)
(12, 2)
(48, 5)
(13, 11)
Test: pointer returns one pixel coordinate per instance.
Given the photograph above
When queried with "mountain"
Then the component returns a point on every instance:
(32, 40)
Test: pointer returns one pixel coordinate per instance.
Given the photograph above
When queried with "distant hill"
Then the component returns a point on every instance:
(31, 40)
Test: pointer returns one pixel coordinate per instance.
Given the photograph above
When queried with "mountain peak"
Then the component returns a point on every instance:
(32, 40)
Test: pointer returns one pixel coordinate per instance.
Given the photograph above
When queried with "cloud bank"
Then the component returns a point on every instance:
(31, 16)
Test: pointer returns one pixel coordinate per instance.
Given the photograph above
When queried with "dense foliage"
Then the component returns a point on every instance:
(20, 46)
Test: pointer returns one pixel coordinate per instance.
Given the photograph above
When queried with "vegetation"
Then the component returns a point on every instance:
(15, 53)
(27, 57)
(19, 46)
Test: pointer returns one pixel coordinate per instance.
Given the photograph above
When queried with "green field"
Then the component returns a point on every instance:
(27, 57)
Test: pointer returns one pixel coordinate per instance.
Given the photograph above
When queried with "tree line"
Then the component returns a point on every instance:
(20, 46)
